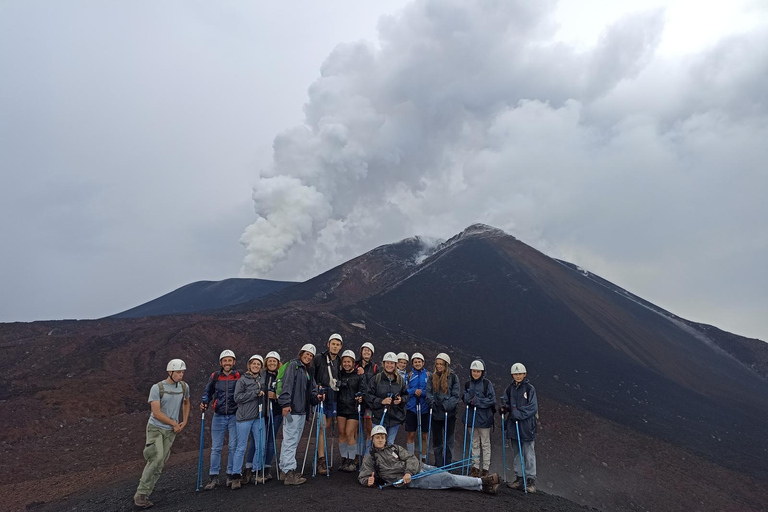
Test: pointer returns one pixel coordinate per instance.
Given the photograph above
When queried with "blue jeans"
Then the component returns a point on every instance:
(445, 480)
(246, 429)
(392, 433)
(220, 425)
(278, 418)
(293, 427)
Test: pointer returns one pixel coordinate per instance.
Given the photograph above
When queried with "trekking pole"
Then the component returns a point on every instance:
(466, 420)
(472, 435)
(333, 438)
(429, 436)
(448, 467)
(522, 460)
(309, 439)
(320, 413)
(200, 455)
(504, 447)
(274, 439)
(418, 425)
(262, 451)
(445, 439)
(359, 437)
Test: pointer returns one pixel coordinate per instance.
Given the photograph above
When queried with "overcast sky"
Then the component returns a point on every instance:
(146, 145)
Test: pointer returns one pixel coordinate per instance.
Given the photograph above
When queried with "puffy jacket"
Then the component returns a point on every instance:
(521, 399)
(444, 403)
(350, 383)
(418, 379)
(299, 388)
(247, 397)
(390, 464)
(383, 385)
(320, 366)
(220, 390)
(484, 402)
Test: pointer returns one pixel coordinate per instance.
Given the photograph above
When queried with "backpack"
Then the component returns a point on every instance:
(486, 383)
(279, 380)
(161, 387)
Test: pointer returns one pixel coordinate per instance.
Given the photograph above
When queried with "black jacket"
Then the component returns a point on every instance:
(299, 389)
(521, 399)
(380, 386)
(320, 366)
(350, 383)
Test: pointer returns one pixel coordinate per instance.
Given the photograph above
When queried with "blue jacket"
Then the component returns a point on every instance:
(443, 404)
(221, 391)
(418, 379)
(522, 401)
(474, 394)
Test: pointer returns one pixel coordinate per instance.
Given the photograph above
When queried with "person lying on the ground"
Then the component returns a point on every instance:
(388, 463)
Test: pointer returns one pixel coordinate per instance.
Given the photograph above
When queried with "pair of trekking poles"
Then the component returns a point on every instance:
(263, 452)
(519, 447)
(320, 410)
(472, 435)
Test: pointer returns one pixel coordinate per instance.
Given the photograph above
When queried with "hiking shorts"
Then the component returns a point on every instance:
(412, 421)
(330, 409)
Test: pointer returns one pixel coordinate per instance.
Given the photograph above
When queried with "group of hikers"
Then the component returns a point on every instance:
(367, 403)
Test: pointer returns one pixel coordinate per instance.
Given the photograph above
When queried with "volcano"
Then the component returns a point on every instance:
(639, 408)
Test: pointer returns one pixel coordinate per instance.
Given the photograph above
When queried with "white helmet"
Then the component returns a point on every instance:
(309, 348)
(417, 355)
(402, 355)
(518, 368)
(227, 353)
(335, 337)
(348, 353)
(256, 356)
(367, 345)
(378, 429)
(176, 365)
(445, 357)
(477, 365)
(389, 356)
(273, 355)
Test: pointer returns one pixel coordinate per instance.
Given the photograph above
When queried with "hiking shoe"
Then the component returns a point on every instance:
(141, 501)
(212, 483)
(247, 475)
(229, 479)
(259, 479)
(322, 469)
(280, 474)
(235, 483)
(293, 478)
(517, 484)
(491, 489)
(531, 486)
(474, 472)
(491, 479)
(351, 466)
(484, 473)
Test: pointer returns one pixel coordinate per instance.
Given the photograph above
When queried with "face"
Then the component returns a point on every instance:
(272, 364)
(402, 364)
(366, 353)
(254, 366)
(347, 363)
(389, 366)
(177, 375)
(227, 363)
(306, 357)
(417, 363)
(439, 365)
(518, 377)
(334, 347)
(380, 440)
(476, 374)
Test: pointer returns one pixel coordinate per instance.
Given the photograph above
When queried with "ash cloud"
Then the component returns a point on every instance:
(630, 163)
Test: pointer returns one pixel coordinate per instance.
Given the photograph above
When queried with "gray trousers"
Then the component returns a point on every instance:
(445, 480)
(529, 454)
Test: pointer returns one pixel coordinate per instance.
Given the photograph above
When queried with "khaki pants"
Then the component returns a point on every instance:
(157, 449)
(482, 439)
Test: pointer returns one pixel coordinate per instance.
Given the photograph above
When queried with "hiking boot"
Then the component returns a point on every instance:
(484, 473)
(212, 483)
(229, 479)
(141, 501)
(235, 482)
(490, 479)
(474, 472)
(280, 474)
(247, 475)
(259, 479)
(491, 489)
(351, 466)
(517, 484)
(293, 478)
(322, 469)
(531, 486)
